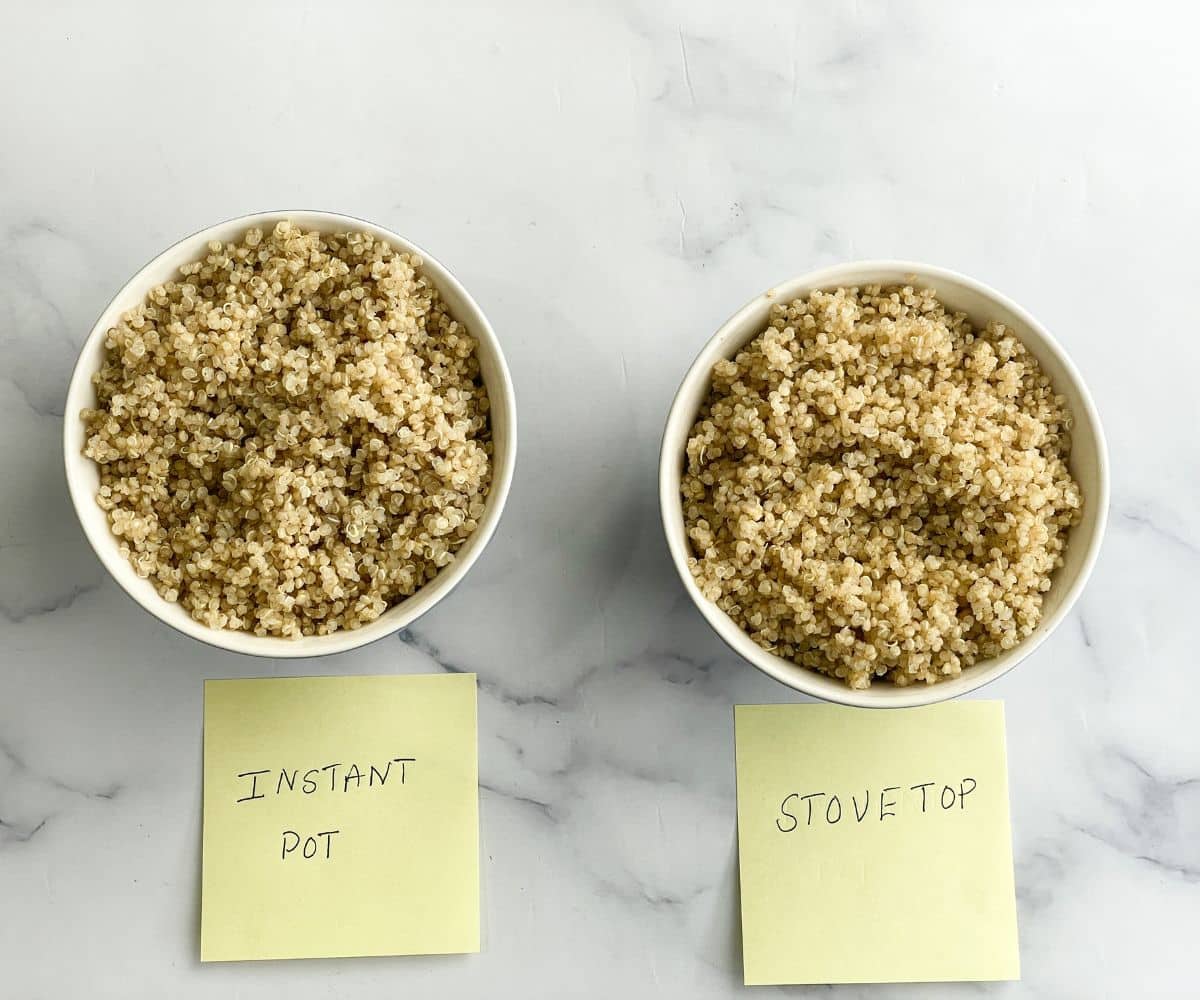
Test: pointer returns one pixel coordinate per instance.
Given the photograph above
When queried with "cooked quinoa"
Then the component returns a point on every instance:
(877, 489)
(293, 435)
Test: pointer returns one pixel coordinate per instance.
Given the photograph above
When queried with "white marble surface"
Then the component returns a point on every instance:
(610, 180)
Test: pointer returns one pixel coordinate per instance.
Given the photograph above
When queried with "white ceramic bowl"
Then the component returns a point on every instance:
(83, 476)
(1089, 466)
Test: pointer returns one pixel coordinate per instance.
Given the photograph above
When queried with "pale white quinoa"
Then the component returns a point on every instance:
(876, 489)
(292, 435)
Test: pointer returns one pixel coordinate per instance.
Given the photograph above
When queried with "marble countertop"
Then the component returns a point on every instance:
(610, 180)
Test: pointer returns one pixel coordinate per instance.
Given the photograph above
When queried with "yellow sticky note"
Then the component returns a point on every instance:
(874, 845)
(341, 817)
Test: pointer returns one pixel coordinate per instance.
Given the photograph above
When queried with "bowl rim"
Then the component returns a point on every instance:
(342, 640)
(674, 441)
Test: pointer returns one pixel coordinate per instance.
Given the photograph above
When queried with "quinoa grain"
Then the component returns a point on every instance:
(293, 435)
(876, 489)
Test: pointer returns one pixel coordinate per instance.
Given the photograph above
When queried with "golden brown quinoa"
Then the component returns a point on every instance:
(874, 488)
(293, 435)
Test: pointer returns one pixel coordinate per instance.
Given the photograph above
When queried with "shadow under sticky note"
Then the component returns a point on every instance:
(340, 817)
(875, 846)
